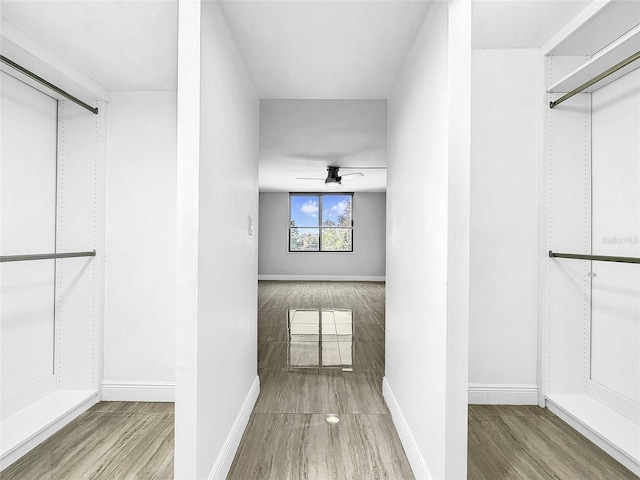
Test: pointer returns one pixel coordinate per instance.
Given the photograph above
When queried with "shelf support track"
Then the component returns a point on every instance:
(45, 256)
(598, 258)
(596, 79)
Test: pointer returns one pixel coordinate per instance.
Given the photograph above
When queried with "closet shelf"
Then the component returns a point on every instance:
(617, 435)
(28, 427)
(617, 51)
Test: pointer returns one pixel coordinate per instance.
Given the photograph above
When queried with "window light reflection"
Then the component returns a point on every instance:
(320, 338)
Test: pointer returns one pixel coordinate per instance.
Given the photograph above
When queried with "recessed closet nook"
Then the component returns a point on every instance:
(590, 316)
(53, 194)
(58, 353)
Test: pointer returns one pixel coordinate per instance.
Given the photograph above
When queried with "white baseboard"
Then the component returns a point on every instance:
(502, 394)
(225, 457)
(124, 391)
(416, 460)
(27, 396)
(615, 401)
(324, 278)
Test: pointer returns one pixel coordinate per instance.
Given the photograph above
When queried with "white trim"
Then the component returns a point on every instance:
(227, 453)
(27, 428)
(33, 393)
(416, 460)
(324, 278)
(124, 391)
(543, 227)
(615, 401)
(612, 432)
(502, 394)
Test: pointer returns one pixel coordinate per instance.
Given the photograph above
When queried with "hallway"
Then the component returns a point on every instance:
(320, 413)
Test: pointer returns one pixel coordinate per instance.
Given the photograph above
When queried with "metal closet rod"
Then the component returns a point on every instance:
(596, 79)
(45, 256)
(50, 85)
(600, 258)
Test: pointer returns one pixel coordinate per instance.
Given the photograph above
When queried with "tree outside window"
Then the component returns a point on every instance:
(321, 222)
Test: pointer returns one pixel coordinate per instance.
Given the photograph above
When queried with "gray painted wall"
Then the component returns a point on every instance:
(366, 260)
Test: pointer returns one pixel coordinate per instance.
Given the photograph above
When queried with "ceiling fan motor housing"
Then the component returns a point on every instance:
(332, 176)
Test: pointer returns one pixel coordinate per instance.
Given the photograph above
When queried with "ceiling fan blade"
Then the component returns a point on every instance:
(309, 178)
(355, 174)
(363, 168)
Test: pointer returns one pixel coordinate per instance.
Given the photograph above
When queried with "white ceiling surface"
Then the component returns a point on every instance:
(324, 49)
(520, 23)
(301, 138)
(122, 44)
(315, 49)
(293, 49)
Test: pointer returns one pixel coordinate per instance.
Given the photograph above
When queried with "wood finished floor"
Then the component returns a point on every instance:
(111, 440)
(334, 368)
(288, 436)
(529, 442)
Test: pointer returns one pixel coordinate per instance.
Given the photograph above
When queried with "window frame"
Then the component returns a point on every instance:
(320, 196)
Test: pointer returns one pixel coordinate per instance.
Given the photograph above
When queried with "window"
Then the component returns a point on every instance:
(320, 222)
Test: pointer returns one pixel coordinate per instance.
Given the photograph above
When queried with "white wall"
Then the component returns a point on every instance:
(139, 343)
(367, 261)
(218, 125)
(427, 245)
(504, 223)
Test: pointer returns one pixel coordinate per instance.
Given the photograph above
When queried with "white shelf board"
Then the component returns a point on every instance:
(598, 25)
(40, 420)
(614, 433)
(619, 50)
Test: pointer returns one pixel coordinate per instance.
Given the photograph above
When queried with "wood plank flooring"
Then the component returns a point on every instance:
(111, 440)
(529, 442)
(289, 437)
(320, 355)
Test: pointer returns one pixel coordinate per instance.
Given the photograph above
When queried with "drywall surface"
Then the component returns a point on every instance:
(427, 243)
(366, 261)
(504, 223)
(228, 254)
(139, 343)
(218, 131)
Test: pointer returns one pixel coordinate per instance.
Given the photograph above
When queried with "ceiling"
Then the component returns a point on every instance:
(293, 49)
(520, 23)
(301, 138)
(121, 44)
(324, 49)
(316, 49)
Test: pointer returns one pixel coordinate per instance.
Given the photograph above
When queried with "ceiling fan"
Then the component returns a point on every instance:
(334, 179)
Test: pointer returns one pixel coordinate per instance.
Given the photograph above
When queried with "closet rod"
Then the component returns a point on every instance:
(45, 256)
(596, 79)
(41, 80)
(600, 258)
